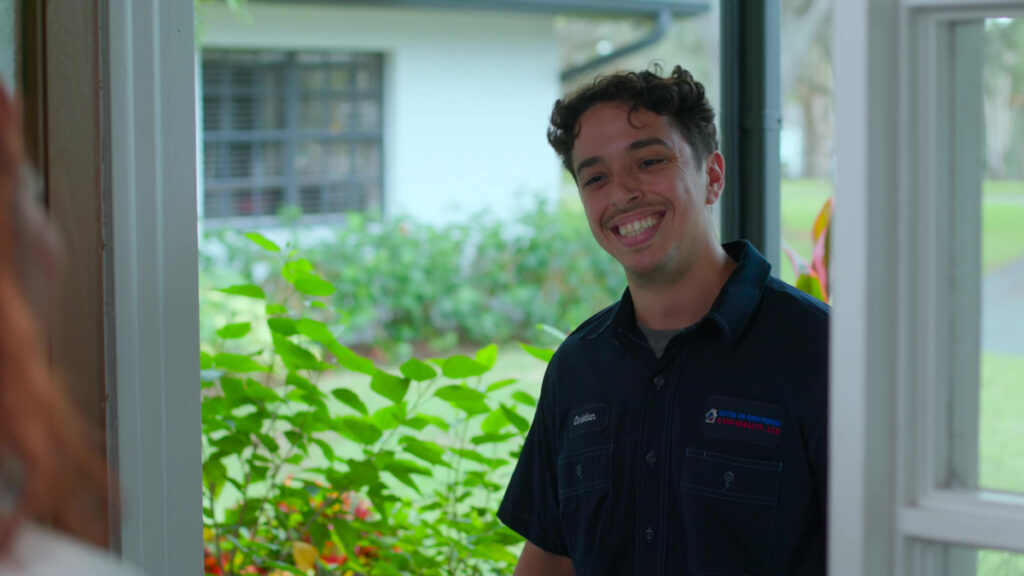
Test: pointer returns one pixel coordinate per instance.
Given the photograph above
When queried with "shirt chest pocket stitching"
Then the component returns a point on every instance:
(731, 478)
(584, 470)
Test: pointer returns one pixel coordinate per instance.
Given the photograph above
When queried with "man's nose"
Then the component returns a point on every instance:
(627, 188)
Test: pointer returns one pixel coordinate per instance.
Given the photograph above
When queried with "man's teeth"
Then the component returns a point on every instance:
(637, 226)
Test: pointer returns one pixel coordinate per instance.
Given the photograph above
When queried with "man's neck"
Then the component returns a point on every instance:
(685, 300)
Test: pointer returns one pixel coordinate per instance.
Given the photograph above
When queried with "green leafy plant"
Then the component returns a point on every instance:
(305, 476)
(813, 278)
(406, 287)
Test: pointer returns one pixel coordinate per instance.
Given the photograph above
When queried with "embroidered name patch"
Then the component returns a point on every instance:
(743, 420)
(588, 419)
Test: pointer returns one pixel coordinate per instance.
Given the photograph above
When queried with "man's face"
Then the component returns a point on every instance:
(644, 193)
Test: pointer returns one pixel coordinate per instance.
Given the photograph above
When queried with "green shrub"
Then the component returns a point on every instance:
(401, 283)
(300, 476)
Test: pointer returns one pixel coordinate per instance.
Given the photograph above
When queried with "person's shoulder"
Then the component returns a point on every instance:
(39, 551)
(793, 303)
(580, 340)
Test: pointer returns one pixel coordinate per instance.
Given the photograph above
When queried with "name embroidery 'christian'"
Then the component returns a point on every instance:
(584, 418)
(588, 419)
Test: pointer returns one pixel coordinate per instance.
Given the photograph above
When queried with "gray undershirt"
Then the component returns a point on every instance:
(658, 339)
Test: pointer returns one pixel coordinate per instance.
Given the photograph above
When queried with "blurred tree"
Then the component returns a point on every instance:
(1004, 97)
(806, 79)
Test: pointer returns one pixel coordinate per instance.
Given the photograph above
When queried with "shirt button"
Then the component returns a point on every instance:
(659, 381)
(649, 535)
(651, 458)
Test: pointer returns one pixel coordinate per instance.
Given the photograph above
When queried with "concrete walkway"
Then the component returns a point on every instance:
(1002, 310)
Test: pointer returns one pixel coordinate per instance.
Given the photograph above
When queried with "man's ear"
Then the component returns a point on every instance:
(714, 173)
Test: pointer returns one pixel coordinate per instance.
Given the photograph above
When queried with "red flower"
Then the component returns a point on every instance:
(335, 559)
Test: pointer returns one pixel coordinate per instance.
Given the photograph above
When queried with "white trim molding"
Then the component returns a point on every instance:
(150, 53)
(905, 332)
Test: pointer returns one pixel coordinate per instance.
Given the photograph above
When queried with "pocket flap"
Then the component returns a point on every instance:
(732, 478)
(584, 470)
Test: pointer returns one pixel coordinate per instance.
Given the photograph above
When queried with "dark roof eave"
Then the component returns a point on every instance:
(594, 7)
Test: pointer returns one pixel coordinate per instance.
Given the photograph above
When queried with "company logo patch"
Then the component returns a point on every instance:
(743, 420)
(588, 419)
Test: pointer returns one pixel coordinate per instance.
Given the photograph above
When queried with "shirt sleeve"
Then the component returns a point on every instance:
(530, 505)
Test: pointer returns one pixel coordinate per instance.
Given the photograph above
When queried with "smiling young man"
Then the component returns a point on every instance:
(681, 430)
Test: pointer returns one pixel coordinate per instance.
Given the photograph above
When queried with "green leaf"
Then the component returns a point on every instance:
(463, 397)
(357, 429)
(427, 451)
(810, 285)
(260, 393)
(515, 419)
(490, 438)
(295, 357)
(329, 454)
(417, 370)
(262, 241)
(494, 422)
(276, 310)
(232, 331)
(313, 285)
(353, 361)
(214, 476)
(543, 354)
(438, 422)
(501, 384)
(389, 417)
(472, 456)
(315, 330)
(405, 478)
(407, 466)
(391, 387)
(283, 326)
(238, 363)
(494, 551)
(549, 329)
(487, 355)
(460, 366)
(291, 270)
(524, 398)
(285, 567)
(249, 290)
(318, 304)
(416, 423)
(205, 361)
(350, 399)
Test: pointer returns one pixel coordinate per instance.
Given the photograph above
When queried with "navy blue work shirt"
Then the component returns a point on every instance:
(709, 460)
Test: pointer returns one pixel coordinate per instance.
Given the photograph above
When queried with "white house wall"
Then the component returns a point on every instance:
(467, 96)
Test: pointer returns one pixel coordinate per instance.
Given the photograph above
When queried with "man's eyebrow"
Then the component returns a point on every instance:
(648, 142)
(587, 163)
(654, 141)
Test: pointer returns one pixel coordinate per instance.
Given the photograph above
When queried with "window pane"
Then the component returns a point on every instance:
(311, 113)
(808, 126)
(1001, 454)
(968, 561)
(309, 159)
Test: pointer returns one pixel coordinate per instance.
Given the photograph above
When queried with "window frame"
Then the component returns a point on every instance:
(905, 326)
(293, 186)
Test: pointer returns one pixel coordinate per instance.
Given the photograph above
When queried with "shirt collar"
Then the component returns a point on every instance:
(732, 309)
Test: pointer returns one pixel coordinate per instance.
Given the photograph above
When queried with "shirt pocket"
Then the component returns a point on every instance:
(729, 511)
(584, 506)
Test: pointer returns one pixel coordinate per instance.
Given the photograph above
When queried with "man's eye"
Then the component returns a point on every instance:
(651, 162)
(593, 180)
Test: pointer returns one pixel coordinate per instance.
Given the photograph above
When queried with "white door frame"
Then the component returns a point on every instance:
(150, 54)
(904, 370)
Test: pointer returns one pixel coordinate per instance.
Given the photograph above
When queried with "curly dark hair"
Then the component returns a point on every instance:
(677, 96)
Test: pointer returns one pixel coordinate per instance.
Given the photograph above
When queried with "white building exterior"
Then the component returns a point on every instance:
(465, 101)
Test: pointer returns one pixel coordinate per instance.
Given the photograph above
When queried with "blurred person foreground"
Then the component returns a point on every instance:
(50, 472)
